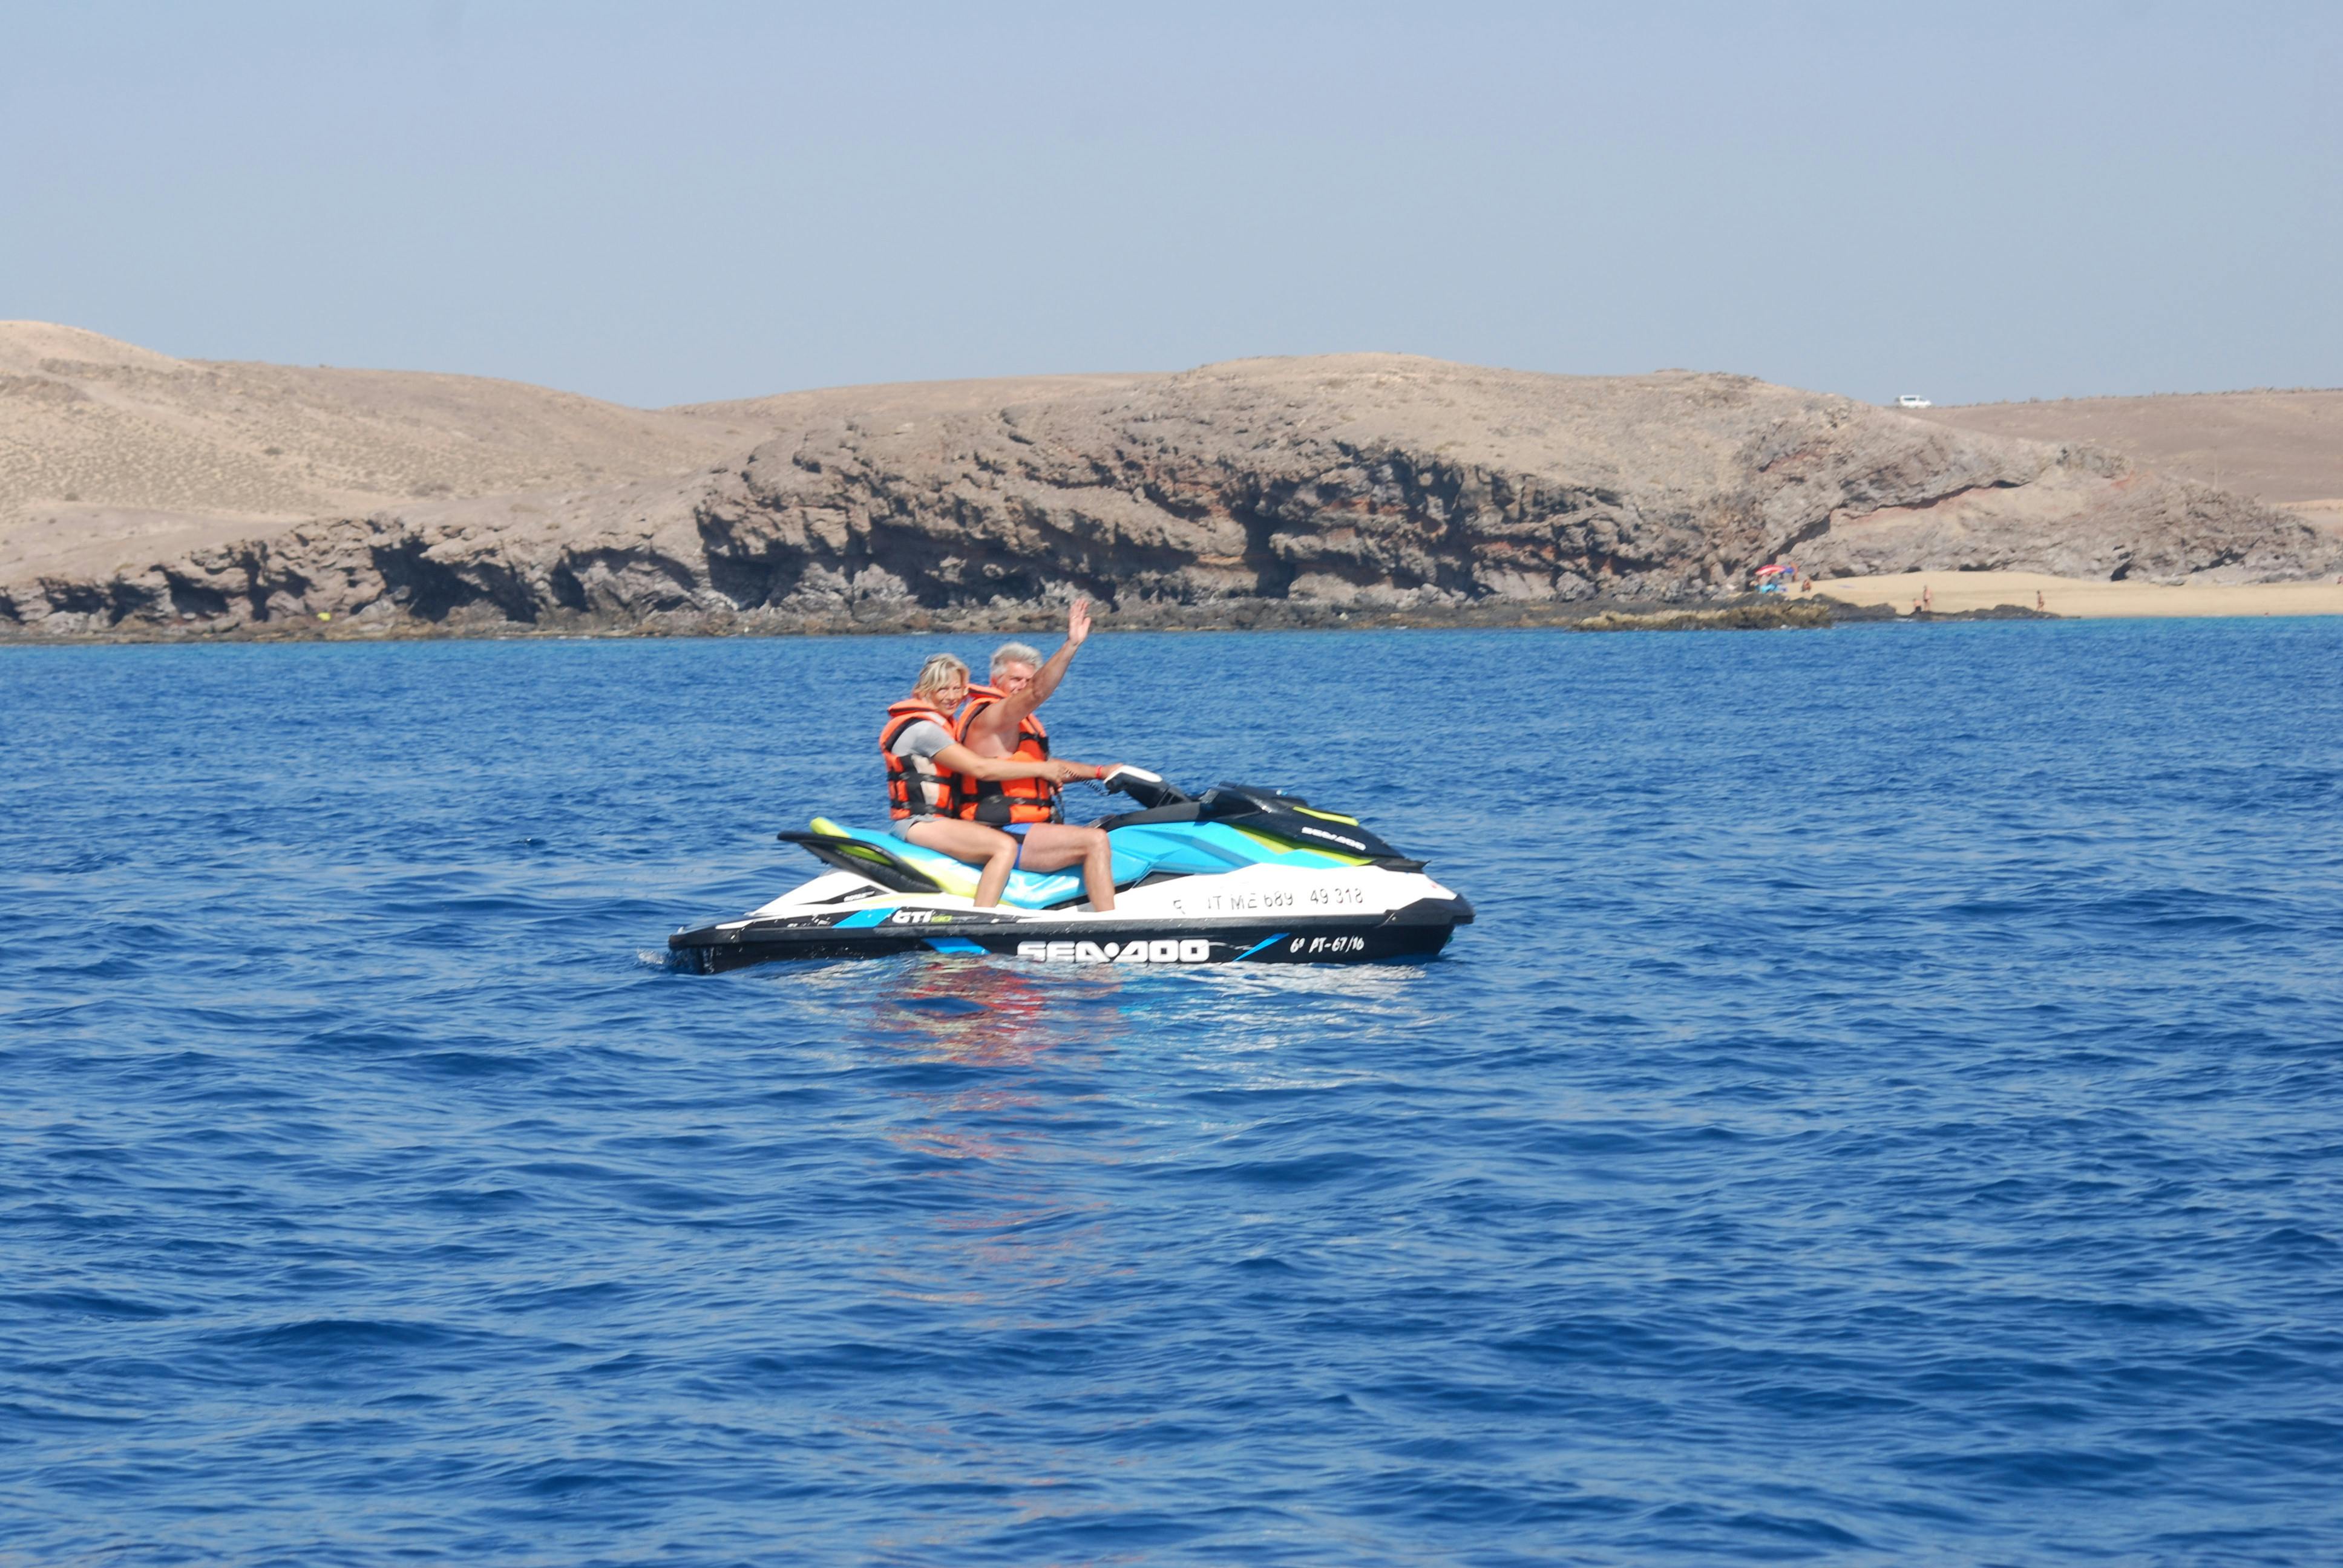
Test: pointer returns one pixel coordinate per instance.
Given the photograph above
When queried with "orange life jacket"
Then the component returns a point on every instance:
(1001, 801)
(916, 787)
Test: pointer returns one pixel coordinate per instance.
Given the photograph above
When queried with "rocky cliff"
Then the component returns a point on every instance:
(1257, 492)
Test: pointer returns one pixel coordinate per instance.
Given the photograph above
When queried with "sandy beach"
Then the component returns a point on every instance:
(2086, 599)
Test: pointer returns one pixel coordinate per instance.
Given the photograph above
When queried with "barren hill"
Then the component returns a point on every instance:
(2282, 447)
(1281, 490)
(106, 447)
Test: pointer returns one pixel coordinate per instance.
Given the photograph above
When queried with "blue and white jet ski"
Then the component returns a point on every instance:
(1236, 874)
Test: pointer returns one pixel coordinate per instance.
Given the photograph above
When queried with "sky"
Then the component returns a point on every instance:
(685, 202)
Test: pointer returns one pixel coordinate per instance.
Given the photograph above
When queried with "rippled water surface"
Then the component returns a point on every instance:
(1891, 1109)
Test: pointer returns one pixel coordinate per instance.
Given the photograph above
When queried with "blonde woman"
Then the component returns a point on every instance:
(928, 771)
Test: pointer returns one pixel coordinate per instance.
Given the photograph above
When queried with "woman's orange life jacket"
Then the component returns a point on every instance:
(916, 787)
(1001, 801)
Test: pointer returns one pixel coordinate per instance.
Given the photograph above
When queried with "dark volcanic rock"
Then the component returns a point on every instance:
(1990, 612)
(1297, 491)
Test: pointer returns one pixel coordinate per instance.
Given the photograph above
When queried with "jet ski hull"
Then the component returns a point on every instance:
(1239, 876)
(1417, 931)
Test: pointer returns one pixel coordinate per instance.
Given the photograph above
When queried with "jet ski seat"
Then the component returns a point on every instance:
(874, 854)
(1141, 849)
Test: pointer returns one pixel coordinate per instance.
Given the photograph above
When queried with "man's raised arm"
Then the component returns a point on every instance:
(998, 722)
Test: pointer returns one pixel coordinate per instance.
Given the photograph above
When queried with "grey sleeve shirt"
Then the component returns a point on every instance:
(922, 739)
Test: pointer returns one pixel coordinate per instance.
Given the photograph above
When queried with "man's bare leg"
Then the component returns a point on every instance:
(1053, 847)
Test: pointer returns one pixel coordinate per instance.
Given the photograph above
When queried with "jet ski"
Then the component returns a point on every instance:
(1235, 875)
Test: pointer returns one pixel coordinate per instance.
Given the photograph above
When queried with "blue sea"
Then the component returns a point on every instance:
(1890, 1110)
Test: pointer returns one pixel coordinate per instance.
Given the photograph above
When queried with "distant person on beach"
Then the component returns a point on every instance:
(927, 770)
(2038, 601)
(998, 720)
(1928, 599)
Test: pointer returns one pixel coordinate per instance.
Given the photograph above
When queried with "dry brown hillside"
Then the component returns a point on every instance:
(2283, 447)
(1262, 491)
(106, 447)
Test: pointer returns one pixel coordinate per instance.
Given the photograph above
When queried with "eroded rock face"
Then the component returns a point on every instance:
(1305, 489)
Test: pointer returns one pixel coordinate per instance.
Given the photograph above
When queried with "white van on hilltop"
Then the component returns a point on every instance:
(1913, 400)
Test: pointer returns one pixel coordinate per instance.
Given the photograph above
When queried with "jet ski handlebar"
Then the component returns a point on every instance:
(1149, 790)
(1152, 790)
(1272, 811)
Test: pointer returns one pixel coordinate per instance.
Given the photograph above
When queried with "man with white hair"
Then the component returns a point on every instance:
(998, 721)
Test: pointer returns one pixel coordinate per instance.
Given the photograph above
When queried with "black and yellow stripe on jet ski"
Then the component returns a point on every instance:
(1289, 850)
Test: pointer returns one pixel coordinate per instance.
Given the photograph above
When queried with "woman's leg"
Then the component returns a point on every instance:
(977, 844)
(1052, 847)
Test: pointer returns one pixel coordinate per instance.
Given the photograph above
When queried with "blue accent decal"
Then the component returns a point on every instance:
(1272, 941)
(953, 945)
(1035, 888)
(864, 918)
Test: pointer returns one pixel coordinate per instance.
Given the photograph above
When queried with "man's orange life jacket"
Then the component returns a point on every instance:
(916, 787)
(1001, 801)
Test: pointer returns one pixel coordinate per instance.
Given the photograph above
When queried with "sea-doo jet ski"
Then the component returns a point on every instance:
(1236, 874)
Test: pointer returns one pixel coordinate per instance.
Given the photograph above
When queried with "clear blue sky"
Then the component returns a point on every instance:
(674, 202)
